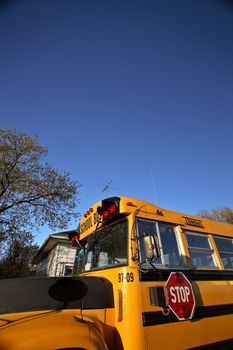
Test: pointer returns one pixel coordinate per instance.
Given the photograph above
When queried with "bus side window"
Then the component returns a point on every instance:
(170, 255)
(200, 250)
(225, 248)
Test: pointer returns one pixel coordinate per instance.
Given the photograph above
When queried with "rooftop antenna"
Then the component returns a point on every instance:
(106, 188)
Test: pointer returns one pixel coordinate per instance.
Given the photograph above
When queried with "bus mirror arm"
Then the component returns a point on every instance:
(79, 243)
(151, 247)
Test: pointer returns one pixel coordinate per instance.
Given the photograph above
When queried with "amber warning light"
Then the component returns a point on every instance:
(109, 208)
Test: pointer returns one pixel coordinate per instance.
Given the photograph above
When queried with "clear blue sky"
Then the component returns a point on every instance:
(138, 92)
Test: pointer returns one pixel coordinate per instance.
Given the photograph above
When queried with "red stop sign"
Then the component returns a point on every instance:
(179, 296)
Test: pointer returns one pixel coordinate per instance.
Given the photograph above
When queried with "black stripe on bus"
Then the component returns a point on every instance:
(221, 345)
(52, 293)
(192, 275)
(155, 318)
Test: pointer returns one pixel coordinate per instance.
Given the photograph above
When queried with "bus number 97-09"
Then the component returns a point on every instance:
(125, 277)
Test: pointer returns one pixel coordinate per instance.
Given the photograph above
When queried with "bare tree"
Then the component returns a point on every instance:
(32, 192)
(223, 214)
(17, 254)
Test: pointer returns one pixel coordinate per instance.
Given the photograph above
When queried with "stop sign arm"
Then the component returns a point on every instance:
(179, 296)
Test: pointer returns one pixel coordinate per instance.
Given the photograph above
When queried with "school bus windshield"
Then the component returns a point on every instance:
(105, 248)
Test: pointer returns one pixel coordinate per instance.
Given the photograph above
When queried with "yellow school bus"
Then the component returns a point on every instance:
(145, 278)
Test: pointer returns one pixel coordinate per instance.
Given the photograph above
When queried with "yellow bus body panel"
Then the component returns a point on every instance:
(49, 330)
(183, 335)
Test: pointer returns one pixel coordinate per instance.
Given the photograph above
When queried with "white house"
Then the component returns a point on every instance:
(56, 256)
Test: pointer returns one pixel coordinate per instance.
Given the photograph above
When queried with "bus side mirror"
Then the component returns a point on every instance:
(151, 247)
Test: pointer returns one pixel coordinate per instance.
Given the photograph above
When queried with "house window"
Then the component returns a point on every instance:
(68, 270)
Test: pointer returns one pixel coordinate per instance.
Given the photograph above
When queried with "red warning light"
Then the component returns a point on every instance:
(112, 208)
(105, 214)
(109, 208)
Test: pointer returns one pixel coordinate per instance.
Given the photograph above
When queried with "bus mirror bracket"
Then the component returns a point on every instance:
(151, 247)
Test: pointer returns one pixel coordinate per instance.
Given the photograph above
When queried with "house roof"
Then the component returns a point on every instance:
(50, 243)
